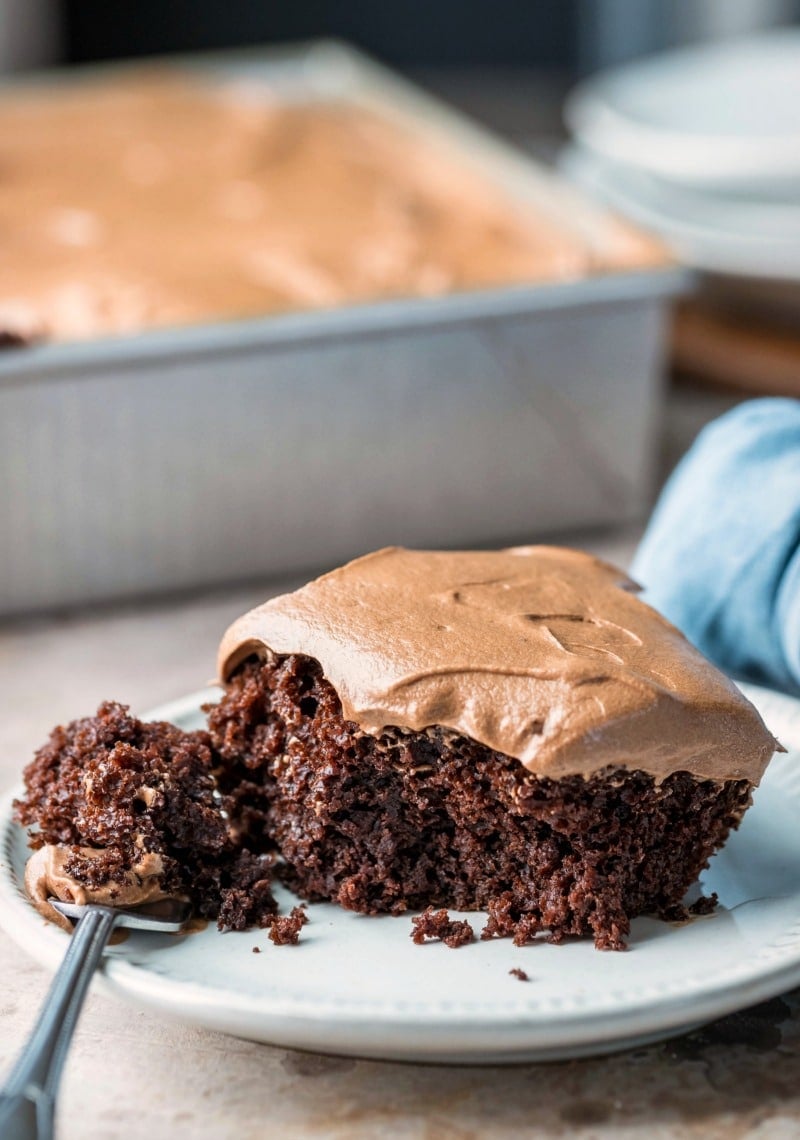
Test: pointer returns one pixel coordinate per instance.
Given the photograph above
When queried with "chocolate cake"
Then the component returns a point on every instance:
(510, 731)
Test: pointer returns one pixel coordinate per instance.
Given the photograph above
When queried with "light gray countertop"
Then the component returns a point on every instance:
(132, 1074)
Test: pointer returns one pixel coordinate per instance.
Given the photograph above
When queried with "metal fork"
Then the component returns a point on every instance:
(28, 1098)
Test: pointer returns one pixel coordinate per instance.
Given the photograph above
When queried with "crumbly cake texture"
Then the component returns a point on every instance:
(109, 789)
(408, 820)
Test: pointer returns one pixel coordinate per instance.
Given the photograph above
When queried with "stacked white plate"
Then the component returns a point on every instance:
(702, 146)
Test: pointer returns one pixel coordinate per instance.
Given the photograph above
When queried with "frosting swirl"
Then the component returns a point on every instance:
(541, 653)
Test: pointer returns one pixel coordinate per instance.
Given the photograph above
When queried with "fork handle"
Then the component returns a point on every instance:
(27, 1100)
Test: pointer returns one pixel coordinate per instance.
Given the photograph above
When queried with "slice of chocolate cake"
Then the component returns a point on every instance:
(512, 731)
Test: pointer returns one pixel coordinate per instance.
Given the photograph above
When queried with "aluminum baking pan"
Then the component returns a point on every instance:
(198, 455)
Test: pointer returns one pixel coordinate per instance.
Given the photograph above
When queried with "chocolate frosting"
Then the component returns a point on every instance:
(148, 198)
(541, 653)
(46, 877)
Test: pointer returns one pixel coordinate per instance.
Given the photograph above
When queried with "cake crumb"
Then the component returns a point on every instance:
(704, 905)
(520, 974)
(249, 900)
(678, 913)
(285, 929)
(256, 950)
(437, 924)
(506, 920)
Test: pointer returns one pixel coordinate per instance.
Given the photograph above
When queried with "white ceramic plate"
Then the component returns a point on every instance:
(359, 985)
(712, 231)
(719, 114)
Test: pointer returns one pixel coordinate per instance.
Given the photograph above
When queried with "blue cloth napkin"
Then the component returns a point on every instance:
(721, 555)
